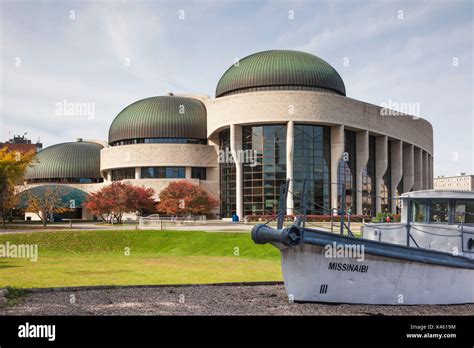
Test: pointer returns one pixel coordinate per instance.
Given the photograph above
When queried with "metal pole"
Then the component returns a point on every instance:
(409, 217)
(343, 208)
(304, 202)
(282, 207)
(349, 220)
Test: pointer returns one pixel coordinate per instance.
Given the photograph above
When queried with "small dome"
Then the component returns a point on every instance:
(79, 159)
(280, 70)
(160, 117)
(66, 193)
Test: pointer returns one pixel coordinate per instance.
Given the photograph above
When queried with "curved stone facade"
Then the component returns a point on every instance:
(403, 156)
(315, 107)
(276, 120)
(147, 155)
(182, 157)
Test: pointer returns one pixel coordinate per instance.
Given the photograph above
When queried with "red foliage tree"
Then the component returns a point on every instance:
(183, 197)
(118, 198)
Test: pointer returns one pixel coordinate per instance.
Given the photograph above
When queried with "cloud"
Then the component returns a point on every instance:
(83, 59)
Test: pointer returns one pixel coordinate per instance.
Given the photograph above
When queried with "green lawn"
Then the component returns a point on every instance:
(155, 257)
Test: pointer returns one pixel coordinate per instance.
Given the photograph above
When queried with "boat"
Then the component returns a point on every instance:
(426, 258)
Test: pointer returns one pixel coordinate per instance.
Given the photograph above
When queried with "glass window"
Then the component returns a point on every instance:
(65, 180)
(346, 173)
(269, 142)
(163, 172)
(227, 176)
(464, 212)
(311, 161)
(419, 209)
(198, 173)
(439, 211)
(159, 141)
(124, 173)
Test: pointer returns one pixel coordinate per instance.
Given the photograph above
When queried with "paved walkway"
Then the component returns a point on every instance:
(208, 227)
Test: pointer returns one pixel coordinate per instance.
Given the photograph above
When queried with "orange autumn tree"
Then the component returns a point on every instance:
(183, 198)
(118, 198)
(13, 166)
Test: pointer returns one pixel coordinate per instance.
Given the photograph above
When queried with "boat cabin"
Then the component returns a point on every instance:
(431, 219)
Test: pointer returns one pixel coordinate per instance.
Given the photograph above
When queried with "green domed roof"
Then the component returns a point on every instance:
(79, 159)
(66, 193)
(280, 70)
(160, 117)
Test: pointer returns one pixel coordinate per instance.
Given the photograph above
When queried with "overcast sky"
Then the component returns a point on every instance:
(111, 53)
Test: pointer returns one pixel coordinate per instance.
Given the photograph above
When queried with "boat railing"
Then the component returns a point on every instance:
(343, 214)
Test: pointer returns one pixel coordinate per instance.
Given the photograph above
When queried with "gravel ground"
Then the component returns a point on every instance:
(201, 300)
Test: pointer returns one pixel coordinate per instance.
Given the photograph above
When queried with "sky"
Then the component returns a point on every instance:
(104, 55)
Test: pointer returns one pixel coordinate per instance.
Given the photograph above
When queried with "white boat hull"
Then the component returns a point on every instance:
(311, 276)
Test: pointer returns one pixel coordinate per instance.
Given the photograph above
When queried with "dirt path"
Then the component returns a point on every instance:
(201, 300)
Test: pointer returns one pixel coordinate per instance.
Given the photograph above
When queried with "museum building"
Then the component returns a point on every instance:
(281, 115)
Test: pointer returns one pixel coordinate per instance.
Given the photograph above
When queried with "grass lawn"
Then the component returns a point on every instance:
(75, 258)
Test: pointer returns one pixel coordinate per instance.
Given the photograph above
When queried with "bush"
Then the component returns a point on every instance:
(309, 218)
(382, 217)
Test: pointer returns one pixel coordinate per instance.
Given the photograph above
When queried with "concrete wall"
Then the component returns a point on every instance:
(149, 155)
(337, 150)
(315, 107)
(381, 165)
(396, 169)
(418, 166)
(362, 156)
(408, 167)
(235, 147)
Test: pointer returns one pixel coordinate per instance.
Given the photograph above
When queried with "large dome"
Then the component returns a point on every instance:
(280, 70)
(73, 160)
(160, 117)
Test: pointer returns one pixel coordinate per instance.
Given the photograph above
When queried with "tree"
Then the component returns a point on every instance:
(13, 165)
(46, 202)
(118, 198)
(183, 197)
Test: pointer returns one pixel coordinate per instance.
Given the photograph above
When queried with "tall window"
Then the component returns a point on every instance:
(227, 177)
(312, 158)
(419, 210)
(386, 183)
(263, 177)
(347, 173)
(368, 181)
(439, 211)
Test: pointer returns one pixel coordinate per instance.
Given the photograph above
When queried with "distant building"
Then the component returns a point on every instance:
(461, 182)
(21, 144)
